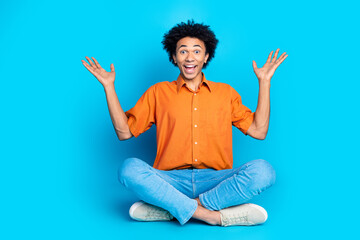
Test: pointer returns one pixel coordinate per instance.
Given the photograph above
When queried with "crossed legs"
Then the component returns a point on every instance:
(161, 189)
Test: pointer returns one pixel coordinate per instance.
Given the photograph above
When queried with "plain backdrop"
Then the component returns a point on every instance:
(59, 152)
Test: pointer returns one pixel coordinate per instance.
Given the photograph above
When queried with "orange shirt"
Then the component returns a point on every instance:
(193, 128)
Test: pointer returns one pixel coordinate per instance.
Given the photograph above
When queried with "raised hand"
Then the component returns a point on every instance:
(104, 77)
(267, 71)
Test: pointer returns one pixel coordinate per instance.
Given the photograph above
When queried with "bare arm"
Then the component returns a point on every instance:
(259, 127)
(117, 114)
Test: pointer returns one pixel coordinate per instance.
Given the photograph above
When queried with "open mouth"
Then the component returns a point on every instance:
(190, 68)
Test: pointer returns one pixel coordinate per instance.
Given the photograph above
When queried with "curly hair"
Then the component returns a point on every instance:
(190, 29)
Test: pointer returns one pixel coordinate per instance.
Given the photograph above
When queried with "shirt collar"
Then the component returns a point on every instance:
(180, 82)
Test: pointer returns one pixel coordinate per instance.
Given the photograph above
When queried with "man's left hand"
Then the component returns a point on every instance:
(265, 73)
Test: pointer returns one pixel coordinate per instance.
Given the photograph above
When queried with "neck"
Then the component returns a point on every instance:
(195, 82)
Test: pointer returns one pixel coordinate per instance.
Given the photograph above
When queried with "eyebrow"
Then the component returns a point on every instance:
(193, 46)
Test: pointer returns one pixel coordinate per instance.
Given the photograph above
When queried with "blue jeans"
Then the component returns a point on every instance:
(176, 190)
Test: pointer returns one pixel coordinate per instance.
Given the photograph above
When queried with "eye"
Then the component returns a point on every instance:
(182, 52)
(197, 51)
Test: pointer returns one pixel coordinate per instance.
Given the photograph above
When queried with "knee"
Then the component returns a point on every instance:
(129, 169)
(264, 174)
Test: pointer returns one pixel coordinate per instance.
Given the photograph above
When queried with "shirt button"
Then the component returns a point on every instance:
(195, 109)
(195, 125)
(195, 160)
(195, 142)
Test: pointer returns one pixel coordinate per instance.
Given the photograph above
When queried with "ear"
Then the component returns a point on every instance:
(206, 57)
(174, 58)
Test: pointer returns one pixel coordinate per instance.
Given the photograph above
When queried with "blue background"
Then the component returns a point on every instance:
(60, 154)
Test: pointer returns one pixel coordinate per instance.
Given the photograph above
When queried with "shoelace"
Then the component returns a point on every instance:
(156, 213)
(243, 218)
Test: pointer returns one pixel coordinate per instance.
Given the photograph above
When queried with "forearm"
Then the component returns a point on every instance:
(260, 125)
(117, 114)
(262, 113)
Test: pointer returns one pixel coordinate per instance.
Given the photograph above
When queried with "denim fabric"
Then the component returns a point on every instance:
(176, 190)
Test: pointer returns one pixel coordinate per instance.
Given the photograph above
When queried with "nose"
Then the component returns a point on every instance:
(189, 57)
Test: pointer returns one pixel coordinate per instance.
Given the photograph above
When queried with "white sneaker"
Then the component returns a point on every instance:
(244, 214)
(142, 211)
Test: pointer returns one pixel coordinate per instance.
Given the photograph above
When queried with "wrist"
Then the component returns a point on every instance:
(108, 87)
(264, 83)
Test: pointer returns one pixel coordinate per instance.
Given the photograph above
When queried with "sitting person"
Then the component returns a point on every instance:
(192, 175)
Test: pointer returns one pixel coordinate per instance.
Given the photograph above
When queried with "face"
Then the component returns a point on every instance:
(190, 57)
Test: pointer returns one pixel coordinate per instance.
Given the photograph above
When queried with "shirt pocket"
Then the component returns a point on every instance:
(218, 120)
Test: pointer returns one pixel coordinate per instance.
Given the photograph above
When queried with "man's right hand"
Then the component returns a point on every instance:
(104, 77)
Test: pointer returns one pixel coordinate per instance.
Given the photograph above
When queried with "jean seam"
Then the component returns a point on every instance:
(192, 182)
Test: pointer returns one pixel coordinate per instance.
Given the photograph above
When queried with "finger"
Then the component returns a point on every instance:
(87, 65)
(275, 55)
(282, 55)
(278, 63)
(269, 57)
(96, 62)
(91, 69)
(254, 64)
(91, 63)
(112, 67)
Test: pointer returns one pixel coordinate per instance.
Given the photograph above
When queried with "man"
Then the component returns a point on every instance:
(192, 175)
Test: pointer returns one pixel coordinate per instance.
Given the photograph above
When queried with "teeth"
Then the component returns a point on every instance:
(189, 65)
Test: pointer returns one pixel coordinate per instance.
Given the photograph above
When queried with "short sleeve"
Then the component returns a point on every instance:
(142, 116)
(241, 116)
